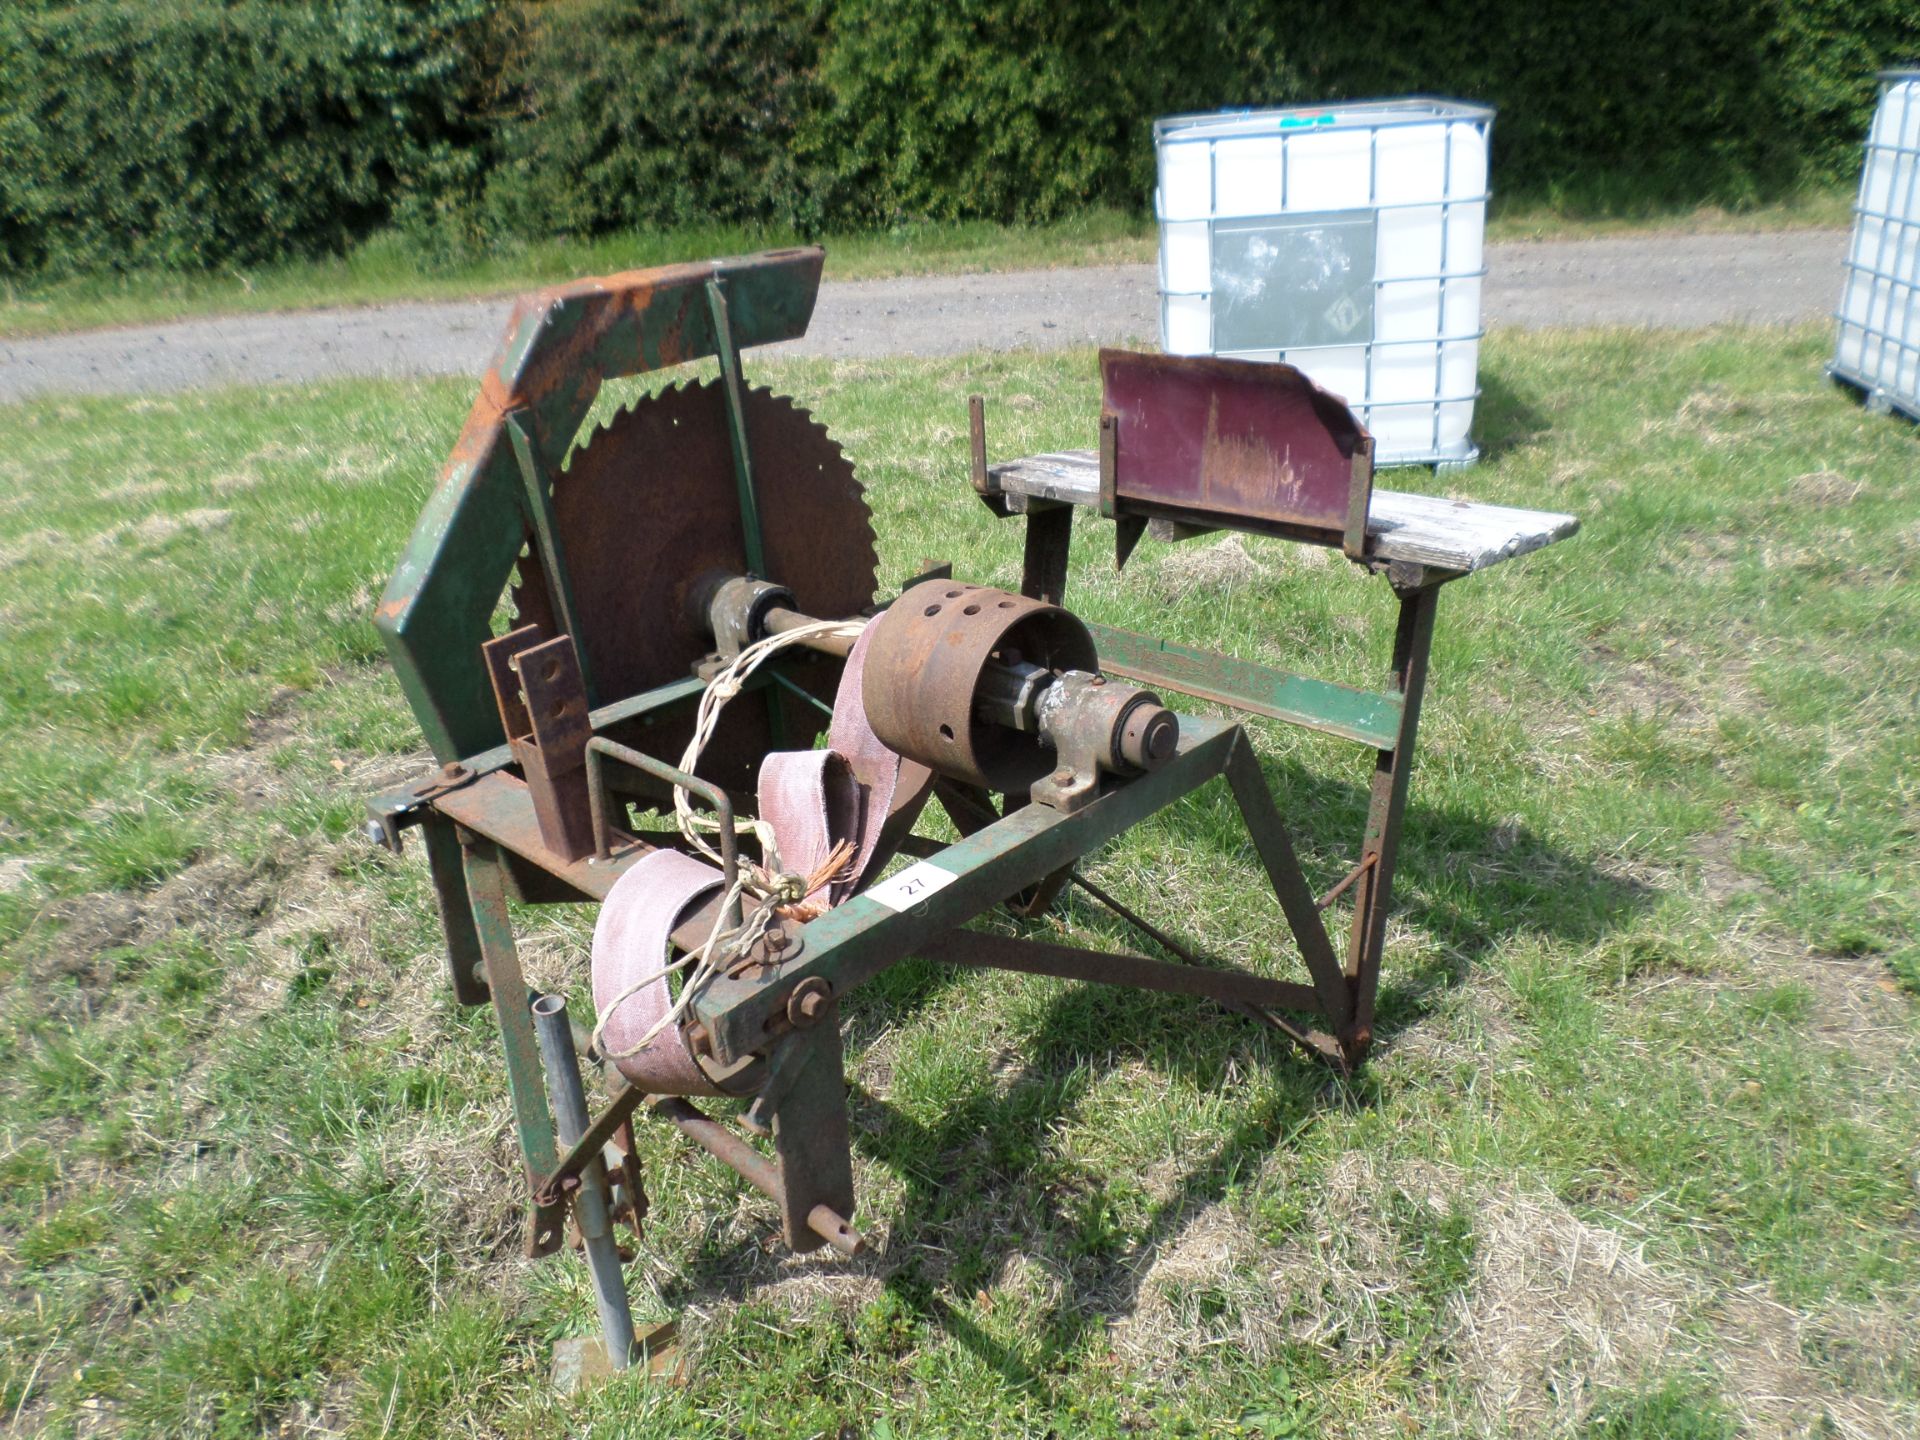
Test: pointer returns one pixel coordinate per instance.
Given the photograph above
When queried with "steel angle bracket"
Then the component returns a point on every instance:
(561, 345)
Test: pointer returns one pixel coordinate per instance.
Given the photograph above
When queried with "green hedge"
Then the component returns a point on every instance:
(197, 133)
(192, 133)
(1635, 101)
(667, 112)
(1019, 109)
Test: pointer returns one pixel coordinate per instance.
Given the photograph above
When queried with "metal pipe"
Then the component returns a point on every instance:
(590, 1199)
(753, 1167)
(780, 620)
(1346, 883)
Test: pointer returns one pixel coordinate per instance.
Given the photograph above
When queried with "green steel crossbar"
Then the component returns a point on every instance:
(1368, 716)
(856, 940)
(526, 1082)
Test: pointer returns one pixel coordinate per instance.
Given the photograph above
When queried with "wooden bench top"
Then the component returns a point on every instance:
(1462, 535)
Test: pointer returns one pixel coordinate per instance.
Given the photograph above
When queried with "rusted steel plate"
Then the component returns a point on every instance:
(500, 808)
(1235, 439)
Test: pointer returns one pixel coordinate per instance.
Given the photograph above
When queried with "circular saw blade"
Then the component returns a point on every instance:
(649, 506)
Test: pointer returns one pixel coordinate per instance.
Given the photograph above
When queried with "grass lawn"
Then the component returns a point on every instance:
(1636, 1156)
(386, 269)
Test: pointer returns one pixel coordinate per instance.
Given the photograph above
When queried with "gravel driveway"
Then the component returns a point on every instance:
(1675, 281)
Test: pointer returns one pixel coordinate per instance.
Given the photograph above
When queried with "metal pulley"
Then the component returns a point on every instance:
(1004, 692)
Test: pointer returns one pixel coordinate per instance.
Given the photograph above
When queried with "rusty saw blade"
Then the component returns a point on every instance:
(648, 506)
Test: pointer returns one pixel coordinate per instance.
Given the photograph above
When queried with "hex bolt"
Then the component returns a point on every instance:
(809, 1002)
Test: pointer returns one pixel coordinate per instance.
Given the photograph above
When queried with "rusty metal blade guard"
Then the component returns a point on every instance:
(1237, 442)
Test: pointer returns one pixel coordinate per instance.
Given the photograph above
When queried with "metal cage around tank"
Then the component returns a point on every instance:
(1877, 347)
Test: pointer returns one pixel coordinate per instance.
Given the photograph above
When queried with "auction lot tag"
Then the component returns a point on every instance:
(911, 886)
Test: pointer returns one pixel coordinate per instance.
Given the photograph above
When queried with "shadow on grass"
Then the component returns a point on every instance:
(980, 1181)
(981, 1186)
(1466, 879)
(1504, 419)
(984, 1180)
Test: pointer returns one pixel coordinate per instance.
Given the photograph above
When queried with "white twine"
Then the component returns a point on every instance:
(720, 689)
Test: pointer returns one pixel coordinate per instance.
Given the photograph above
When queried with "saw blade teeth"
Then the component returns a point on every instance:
(657, 422)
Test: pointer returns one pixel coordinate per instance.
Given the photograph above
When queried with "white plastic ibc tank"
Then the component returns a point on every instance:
(1347, 240)
(1878, 347)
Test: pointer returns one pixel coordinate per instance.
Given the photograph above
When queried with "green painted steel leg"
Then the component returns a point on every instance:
(812, 1139)
(486, 883)
(1290, 886)
(1373, 892)
(464, 958)
(737, 426)
(1043, 569)
(754, 544)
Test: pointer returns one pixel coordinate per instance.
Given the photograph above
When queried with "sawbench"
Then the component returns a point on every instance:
(700, 715)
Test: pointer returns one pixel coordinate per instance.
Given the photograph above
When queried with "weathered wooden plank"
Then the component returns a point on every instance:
(1458, 534)
(1463, 535)
(1069, 475)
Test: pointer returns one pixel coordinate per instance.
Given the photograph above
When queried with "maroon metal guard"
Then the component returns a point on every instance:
(1237, 443)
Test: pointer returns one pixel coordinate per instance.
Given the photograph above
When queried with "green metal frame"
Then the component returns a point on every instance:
(494, 498)
(561, 346)
(1386, 720)
(513, 1008)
